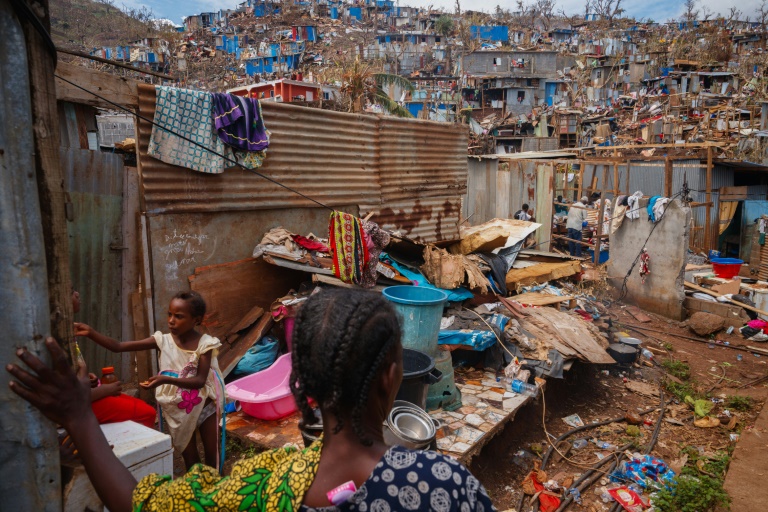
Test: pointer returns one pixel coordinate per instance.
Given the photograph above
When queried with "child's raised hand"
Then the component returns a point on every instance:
(83, 330)
(152, 382)
(61, 395)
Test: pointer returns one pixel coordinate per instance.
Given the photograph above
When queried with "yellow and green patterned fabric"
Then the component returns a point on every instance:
(273, 481)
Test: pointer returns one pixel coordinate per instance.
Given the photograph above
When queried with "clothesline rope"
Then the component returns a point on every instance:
(202, 146)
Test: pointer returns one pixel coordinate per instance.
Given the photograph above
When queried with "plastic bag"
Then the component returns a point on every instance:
(628, 499)
(259, 357)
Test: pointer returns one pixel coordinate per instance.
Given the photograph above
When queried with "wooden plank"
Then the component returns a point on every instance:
(541, 273)
(249, 319)
(733, 193)
(574, 333)
(232, 289)
(335, 281)
(120, 90)
(541, 299)
(302, 267)
(708, 214)
(231, 353)
(710, 292)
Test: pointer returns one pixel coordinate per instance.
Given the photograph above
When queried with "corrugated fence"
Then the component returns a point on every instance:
(413, 173)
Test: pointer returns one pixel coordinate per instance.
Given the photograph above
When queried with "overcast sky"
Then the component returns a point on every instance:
(657, 10)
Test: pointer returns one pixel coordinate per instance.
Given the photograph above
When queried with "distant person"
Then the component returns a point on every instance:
(577, 216)
(559, 208)
(523, 214)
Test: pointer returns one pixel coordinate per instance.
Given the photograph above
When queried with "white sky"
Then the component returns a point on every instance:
(657, 10)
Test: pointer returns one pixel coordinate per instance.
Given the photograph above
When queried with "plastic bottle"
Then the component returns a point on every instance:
(524, 388)
(108, 375)
(578, 444)
(647, 354)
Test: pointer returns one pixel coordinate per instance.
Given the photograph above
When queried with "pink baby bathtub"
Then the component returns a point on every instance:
(265, 395)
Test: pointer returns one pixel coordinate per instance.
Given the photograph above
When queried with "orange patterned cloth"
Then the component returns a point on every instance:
(348, 246)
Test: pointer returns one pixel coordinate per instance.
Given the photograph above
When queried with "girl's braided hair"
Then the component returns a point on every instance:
(342, 338)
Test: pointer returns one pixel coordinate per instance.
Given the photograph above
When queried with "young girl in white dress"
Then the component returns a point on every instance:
(189, 387)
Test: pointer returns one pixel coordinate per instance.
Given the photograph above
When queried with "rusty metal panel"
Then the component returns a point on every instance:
(329, 156)
(420, 159)
(94, 183)
(425, 219)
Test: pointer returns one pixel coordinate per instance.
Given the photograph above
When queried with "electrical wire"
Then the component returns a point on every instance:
(202, 146)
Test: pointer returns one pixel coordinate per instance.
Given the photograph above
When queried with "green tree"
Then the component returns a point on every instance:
(444, 25)
(361, 83)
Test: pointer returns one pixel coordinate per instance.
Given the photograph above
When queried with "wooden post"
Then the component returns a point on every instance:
(581, 181)
(616, 179)
(50, 180)
(628, 170)
(599, 235)
(667, 176)
(708, 220)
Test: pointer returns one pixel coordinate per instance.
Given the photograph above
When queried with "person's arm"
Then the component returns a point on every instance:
(196, 382)
(64, 398)
(112, 344)
(105, 390)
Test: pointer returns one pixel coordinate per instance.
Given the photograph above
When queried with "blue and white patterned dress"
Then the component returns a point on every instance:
(416, 480)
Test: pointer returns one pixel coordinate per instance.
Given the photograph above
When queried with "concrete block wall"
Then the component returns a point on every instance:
(663, 291)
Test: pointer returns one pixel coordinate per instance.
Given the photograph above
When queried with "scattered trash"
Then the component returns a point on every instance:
(646, 471)
(604, 445)
(573, 420)
(628, 499)
(707, 422)
(578, 444)
(576, 494)
(735, 437)
(739, 357)
(633, 418)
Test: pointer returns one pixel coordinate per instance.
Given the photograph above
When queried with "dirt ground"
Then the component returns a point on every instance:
(587, 391)
(598, 393)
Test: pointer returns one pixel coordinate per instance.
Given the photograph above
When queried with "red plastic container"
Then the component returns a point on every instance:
(726, 268)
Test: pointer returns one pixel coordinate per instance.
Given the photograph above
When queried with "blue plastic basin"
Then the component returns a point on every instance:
(420, 310)
(415, 295)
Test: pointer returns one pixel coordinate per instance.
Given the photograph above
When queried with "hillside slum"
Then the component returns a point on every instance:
(518, 316)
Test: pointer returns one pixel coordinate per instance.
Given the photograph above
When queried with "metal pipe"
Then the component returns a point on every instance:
(29, 471)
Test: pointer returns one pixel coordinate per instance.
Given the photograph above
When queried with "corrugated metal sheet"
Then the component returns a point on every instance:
(329, 156)
(413, 172)
(540, 144)
(421, 159)
(94, 183)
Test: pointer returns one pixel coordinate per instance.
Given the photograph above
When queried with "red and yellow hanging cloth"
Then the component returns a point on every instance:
(348, 247)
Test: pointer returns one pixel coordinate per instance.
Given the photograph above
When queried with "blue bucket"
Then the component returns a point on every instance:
(420, 310)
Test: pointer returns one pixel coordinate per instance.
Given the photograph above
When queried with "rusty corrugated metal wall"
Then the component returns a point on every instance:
(329, 156)
(413, 173)
(94, 184)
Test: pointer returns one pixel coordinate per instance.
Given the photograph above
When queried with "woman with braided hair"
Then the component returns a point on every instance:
(347, 358)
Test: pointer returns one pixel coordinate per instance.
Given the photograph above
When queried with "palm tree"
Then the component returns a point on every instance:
(360, 83)
(444, 25)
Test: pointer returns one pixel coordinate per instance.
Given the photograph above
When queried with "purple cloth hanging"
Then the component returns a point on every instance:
(238, 122)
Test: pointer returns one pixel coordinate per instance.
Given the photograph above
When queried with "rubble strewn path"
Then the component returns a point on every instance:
(749, 468)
